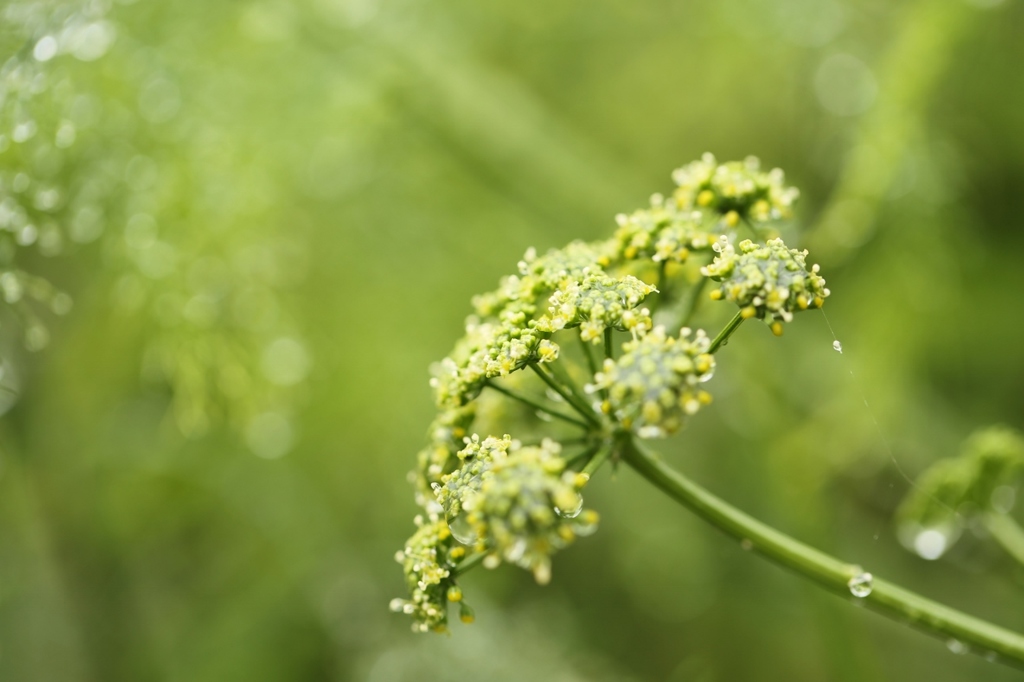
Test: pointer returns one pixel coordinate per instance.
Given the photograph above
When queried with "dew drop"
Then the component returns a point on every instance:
(956, 646)
(571, 512)
(930, 544)
(461, 530)
(860, 584)
(837, 346)
(746, 544)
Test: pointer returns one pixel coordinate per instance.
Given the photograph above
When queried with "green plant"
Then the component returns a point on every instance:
(630, 299)
(976, 489)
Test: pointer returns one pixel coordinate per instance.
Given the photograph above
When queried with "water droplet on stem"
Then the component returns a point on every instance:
(956, 646)
(861, 584)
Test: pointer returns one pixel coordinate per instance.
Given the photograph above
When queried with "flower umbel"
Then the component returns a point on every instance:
(515, 503)
(737, 189)
(597, 302)
(493, 500)
(768, 281)
(655, 385)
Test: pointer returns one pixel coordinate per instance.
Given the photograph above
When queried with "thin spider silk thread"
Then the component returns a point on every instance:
(838, 346)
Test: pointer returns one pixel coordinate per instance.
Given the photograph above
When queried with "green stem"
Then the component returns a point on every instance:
(562, 375)
(753, 228)
(691, 301)
(589, 355)
(683, 309)
(726, 332)
(469, 562)
(539, 406)
(886, 598)
(584, 412)
(1007, 533)
(609, 352)
(597, 460)
(584, 456)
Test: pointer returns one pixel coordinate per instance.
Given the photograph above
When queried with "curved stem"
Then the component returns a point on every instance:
(837, 576)
(537, 405)
(468, 563)
(588, 354)
(583, 410)
(597, 460)
(562, 375)
(726, 332)
(583, 458)
(692, 300)
(662, 286)
(1007, 533)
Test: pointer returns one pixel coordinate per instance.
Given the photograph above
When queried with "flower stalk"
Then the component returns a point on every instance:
(723, 336)
(849, 580)
(1005, 531)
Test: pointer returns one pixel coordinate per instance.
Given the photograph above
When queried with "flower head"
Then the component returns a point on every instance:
(737, 189)
(655, 384)
(488, 350)
(428, 561)
(598, 302)
(664, 232)
(767, 281)
(514, 502)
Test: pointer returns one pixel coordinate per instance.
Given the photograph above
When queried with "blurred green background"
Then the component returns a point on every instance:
(274, 215)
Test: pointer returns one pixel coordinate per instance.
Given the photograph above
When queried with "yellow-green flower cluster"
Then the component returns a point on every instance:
(662, 233)
(540, 275)
(598, 302)
(519, 504)
(504, 335)
(516, 503)
(655, 385)
(428, 561)
(990, 463)
(577, 259)
(767, 281)
(735, 190)
(489, 350)
(447, 436)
